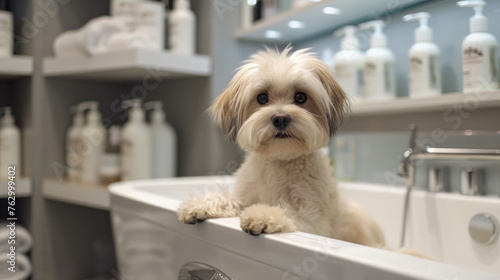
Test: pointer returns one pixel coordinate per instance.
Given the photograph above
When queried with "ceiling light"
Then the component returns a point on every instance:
(331, 11)
(252, 2)
(273, 34)
(296, 24)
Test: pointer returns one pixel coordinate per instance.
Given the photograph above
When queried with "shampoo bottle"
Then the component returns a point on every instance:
(479, 52)
(164, 142)
(349, 62)
(10, 144)
(378, 74)
(74, 144)
(425, 60)
(182, 31)
(150, 22)
(6, 30)
(93, 142)
(136, 152)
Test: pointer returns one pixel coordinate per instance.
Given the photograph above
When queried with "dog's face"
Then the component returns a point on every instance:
(281, 105)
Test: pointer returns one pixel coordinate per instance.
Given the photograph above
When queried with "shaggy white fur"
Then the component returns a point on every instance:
(284, 184)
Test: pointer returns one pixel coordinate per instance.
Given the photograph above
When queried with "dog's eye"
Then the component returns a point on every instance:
(300, 97)
(262, 98)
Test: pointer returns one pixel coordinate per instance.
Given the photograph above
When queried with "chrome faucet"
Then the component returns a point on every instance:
(406, 168)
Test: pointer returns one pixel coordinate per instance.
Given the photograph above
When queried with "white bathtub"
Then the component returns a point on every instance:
(152, 244)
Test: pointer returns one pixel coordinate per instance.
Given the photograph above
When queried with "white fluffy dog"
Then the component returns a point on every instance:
(281, 108)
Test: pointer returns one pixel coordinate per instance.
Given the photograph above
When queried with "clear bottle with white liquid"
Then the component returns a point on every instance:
(164, 142)
(10, 144)
(379, 75)
(349, 63)
(479, 52)
(425, 60)
(136, 152)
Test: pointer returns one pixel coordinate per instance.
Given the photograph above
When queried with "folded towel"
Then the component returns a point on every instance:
(24, 241)
(90, 39)
(23, 268)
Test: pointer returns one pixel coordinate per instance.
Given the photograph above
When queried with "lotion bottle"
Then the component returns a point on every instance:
(10, 144)
(378, 74)
(164, 142)
(6, 31)
(479, 52)
(182, 31)
(425, 60)
(93, 142)
(349, 62)
(74, 144)
(136, 152)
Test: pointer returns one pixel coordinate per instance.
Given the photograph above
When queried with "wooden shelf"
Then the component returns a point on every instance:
(426, 104)
(316, 22)
(128, 65)
(93, 196)
(16, 66)
(23, 187)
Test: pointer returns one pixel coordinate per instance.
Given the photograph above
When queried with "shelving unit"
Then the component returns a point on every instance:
(130, 65)
(311, 21)
(93, 196)
(427, 104)
(16, 66)
(23, 187)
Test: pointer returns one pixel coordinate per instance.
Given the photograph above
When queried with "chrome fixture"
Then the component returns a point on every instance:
(483, 228)
(201, 271)
(406, 168)
(471, 181)
(437, 179)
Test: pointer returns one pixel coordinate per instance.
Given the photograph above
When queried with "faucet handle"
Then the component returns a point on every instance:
(437, 178)
(471, 181)
(413, 135)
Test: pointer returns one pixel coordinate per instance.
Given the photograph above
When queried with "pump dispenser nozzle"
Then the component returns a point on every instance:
(478, 23)
(378, 39)
(7, 119)
(93, 116)
(78, 118)
(136, 113)
(157, 115)
(349, 42)
(423, 33)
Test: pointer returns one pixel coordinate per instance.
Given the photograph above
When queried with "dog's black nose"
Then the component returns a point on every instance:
(281, 121)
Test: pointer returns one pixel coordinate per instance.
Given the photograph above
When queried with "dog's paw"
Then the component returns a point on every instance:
(198, 209)
(261, 218)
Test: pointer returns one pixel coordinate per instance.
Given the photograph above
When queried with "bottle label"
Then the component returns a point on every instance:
(425, 75)
(349, 78)
(480, 69)
(126, 154)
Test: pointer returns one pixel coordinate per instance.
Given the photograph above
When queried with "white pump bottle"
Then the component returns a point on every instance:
(379, 74)
(136, 152)
(94, 141)
(425, 60)
(349, 62)
(182, 23)
(10, 144)
(164, 142)
(479, 52)
(74, 144)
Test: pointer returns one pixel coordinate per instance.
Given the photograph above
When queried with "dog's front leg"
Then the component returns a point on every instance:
(262, 218)
(217, 205)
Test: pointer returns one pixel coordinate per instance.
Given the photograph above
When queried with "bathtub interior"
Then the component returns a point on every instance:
(437, 225)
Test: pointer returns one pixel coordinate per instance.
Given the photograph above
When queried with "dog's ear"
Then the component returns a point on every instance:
(339, 107)
(223, 110)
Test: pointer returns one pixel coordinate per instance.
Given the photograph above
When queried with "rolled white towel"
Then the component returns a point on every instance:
(90, 39)
(23, 268)
(24, 241)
